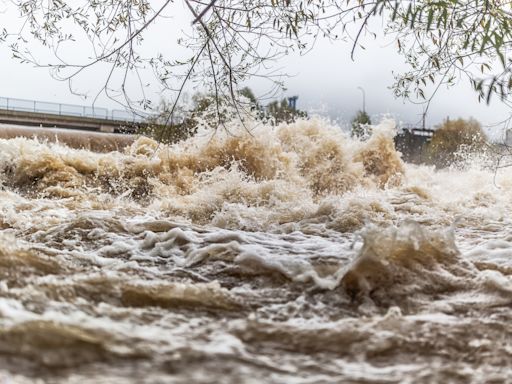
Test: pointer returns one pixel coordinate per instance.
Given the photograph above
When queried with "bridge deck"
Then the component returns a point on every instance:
(28, 118)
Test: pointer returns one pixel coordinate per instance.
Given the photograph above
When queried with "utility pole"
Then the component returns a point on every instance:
(364, 98)
(423, 119)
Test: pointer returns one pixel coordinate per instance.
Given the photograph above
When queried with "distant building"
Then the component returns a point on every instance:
(412, 143)
(292, 102)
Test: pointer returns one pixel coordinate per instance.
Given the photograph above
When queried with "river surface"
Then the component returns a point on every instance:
(289, 255)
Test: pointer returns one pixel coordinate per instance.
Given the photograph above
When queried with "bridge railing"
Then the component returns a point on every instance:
(61, 109)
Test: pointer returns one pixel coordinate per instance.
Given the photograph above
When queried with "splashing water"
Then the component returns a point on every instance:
(290, 254)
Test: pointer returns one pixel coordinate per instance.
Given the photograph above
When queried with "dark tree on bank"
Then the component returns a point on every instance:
(360, 123)
(279, 112)
(184, 122)
(249, 95)
(453, 136)
(202, 110)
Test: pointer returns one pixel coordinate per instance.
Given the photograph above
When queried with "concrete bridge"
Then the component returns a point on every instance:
(56, 115)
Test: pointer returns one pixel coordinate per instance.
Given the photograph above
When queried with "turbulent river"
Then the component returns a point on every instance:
(290, 255)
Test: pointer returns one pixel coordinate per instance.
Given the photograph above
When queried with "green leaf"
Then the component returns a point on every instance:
(430, 19)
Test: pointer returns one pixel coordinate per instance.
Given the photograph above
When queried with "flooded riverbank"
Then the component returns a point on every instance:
(290, 255)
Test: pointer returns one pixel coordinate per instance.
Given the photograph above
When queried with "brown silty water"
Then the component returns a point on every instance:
(290, 255)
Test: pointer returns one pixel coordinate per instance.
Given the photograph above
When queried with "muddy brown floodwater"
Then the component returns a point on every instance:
(295, 255)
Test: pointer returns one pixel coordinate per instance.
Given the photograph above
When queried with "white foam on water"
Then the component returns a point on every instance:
(292, 254)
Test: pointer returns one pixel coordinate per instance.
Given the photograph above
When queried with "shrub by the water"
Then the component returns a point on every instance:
(452, 136)
(360, 124)
(213, 111)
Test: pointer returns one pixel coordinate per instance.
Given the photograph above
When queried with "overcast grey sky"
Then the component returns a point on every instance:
(326, 81)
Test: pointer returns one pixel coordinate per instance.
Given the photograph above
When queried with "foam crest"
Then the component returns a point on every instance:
(278, 174)
(396, 263)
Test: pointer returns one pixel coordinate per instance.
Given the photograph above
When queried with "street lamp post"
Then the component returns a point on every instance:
(364, 98)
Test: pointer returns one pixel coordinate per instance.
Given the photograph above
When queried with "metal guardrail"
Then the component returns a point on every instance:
(23, 105)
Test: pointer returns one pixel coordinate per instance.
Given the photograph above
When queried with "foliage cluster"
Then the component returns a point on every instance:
(360, 124)
(451, 137)
(171, 127)
(274, 112)
(281, 112)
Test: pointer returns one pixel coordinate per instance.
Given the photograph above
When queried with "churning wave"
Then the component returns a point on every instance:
(281, 254)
